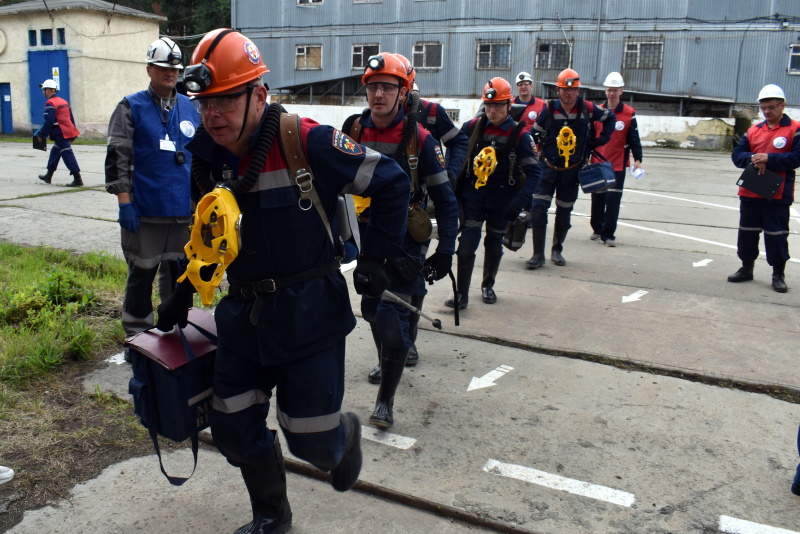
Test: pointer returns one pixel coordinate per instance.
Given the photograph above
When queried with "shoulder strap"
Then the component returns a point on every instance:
(352, 127)
(512, 151)
(299, 169)
(477, 130)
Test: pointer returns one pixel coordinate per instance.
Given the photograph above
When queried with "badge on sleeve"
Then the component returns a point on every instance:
(439, 156)
(345, 144)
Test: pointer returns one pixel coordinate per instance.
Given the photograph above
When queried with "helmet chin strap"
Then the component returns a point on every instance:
(246, 108)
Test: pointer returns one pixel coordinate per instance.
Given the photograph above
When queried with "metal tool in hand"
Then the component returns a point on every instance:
(394, 298)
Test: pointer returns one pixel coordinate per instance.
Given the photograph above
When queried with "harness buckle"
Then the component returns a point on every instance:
(413, 161)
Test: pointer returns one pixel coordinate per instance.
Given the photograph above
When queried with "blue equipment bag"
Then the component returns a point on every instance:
(172, 381)
(597, 177)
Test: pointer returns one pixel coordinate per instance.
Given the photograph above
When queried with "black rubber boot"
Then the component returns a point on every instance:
(778, 281)
(392, 363)
(537, 260)
(558, 246)
(345, 474)
(374, 376)
(76, 180)
(47, 177)
(463, 279)
(266, 484)
(491, 264)
(413, 327)
(745, 274)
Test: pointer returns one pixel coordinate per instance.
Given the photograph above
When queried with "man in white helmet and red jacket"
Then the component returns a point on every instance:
(149, 170)
(59, 125)
(774, 145)
(283, 323)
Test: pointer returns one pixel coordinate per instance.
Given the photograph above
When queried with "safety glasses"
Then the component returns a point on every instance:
(221, 103)
(385, 88)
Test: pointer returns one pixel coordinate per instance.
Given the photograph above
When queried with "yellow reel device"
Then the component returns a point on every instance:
(214, 240)
(361, 203)
(484, 165)
(566, 143)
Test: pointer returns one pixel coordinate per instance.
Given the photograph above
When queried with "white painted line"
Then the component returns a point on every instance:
(634, 296)
(386, 438)
(119, 359)
(731, 525)
(683, 199)
(701, 263)
(557, 482)
(488, 379)
(347, 266)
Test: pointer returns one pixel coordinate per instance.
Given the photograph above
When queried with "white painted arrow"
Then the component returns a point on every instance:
(634, 296)
(701, 263)
(488, 379)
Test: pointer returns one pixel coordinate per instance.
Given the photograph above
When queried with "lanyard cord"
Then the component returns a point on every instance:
(165, 122)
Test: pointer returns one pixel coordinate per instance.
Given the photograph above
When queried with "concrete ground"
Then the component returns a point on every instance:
(570, 433)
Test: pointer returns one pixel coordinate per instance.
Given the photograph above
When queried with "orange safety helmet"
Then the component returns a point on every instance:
(388, 63)
(497, 90)
(409, 67)
(223, 59)
(568, 78)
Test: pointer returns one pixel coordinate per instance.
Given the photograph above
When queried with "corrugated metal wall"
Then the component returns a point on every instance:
(722, 50)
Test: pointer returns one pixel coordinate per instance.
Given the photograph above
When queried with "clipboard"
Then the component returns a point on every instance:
(763, 185)
(40, 145)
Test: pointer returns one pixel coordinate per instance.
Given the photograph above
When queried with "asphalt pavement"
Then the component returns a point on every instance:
(637, 372)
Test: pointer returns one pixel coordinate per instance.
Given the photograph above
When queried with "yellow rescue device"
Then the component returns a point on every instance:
(361, 203)
(214, 240)
(566, 143)
(484, 165)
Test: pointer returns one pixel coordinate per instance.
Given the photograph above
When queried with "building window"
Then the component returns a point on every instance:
(644, 54)
(62, 36)
(362, 52)
(794, 58)
(553, 55)
(31, 37)
(494, 54)
(309, 2)
(367, 1)
(427, 56)
(308, 57)
(46, 36)
(454, 114)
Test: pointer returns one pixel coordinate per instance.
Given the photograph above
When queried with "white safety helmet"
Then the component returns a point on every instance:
(164, 53)
(614, 79)
(771, 91)
(524, 77)
(49, 84)
(415, 87)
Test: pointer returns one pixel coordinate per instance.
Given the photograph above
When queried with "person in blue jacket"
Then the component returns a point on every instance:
(501, 197)
(385, 128)
(282, 326)
(148, 168)
(560, 166)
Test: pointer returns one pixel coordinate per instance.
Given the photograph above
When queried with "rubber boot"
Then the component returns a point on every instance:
(778, 281)
(392, 363)
(266, 484)
(745, 274)
(491, 264)
(558, 246)
(374, 376)
(413, 327)
(537, 260)
(76, 180)
(47, 177)
(463, 279)
(346, 472)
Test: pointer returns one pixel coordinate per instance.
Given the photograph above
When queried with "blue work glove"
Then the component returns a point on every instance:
(369, 277)
(128, 218)
(437, 266)
(511, 213)
(175, 308)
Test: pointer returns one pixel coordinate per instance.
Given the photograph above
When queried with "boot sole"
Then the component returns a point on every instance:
(381, 423)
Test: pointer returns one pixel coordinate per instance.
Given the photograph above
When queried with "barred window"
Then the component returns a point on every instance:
(308, 2)
(794, 59)
(494, 55)
(427, 56)
(308, 57)
(551, 55)
(454, 114)
(643, 55)
(362, 52)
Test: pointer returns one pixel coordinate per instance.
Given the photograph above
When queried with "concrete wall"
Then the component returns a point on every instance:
(106, 62)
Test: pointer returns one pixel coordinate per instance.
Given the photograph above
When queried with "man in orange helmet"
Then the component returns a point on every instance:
(498, 198)
(385, 128)
(283, 324)
(560, 167)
